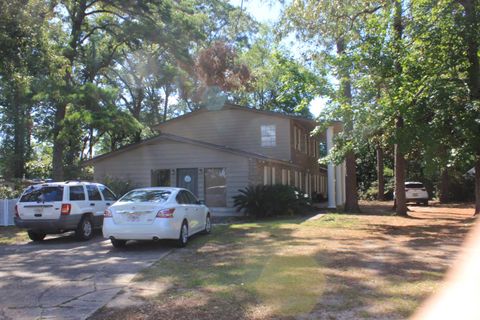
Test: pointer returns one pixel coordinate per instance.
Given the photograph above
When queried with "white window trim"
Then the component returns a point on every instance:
(268, 135)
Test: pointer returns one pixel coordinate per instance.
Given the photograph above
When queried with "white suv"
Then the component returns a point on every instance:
(57, 207)
(416, 192)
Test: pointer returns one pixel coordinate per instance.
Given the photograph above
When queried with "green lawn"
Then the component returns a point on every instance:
(338, 266)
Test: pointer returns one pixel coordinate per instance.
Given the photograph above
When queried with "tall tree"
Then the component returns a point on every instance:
(333, 27)
(22, 61)
(471, 41)
(169, 23)
(279, 82)
(400, 163)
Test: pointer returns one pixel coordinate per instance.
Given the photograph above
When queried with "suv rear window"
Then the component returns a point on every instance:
(43, 194)
(77, 193)
(93, 193)
(414, 186)
(107, 194)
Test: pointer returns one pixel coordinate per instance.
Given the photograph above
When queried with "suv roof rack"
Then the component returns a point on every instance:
(77, 180)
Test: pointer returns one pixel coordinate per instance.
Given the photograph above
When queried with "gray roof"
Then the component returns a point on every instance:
(228, 106)
(171, 137)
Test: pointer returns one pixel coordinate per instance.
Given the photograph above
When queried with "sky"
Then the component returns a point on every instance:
(267, 12)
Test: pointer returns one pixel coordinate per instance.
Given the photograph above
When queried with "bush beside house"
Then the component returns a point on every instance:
(262, 201)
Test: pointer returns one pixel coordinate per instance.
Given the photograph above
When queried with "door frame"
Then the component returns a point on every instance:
(195, 178)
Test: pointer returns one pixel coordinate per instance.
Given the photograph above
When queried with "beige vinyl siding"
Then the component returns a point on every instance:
(240, 129)
(136, 165)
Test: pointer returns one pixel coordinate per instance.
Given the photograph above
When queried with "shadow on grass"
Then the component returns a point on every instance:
(337, 266)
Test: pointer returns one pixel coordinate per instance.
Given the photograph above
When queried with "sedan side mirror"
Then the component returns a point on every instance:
(201, 202)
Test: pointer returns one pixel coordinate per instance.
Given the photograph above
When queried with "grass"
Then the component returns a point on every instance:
(12, 235)
(336, 267)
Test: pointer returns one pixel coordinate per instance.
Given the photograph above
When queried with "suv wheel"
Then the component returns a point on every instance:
(36, 236)
(183, 238)
(84, 229)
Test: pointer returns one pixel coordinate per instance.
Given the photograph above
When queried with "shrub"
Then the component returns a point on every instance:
(7, 192)
(119, 186)
(371, 193)
(266, 201)
(461, 187)
(13, 188)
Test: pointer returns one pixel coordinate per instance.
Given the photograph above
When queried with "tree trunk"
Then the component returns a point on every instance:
(400, 165)
(19, 128)
(380, 176)
(351, 195)
(471, 43)
(165, 105)
(444, 186)
(477, 185)
(77, 17)
(58, 144)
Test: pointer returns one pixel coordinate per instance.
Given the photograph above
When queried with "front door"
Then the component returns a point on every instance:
(188, 179)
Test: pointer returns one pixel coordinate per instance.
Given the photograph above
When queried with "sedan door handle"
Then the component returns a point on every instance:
(108, 203)
(92, 204)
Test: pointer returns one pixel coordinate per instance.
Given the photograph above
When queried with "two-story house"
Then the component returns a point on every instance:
(214, 153)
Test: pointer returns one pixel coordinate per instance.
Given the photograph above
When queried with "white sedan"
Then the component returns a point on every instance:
(155, 213)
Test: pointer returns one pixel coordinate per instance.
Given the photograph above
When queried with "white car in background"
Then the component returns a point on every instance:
(154, 214)
(416, 192)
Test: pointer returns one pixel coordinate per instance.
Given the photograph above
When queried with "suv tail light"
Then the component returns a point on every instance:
(16, 211)
(66, 207)
(166, 213)
(107, 213)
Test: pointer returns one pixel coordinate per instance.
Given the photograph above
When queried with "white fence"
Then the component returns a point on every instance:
(7, 211)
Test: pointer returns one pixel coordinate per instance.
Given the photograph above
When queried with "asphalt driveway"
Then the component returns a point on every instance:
(62, 278)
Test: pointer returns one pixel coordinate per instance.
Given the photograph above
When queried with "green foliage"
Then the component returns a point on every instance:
(12, 189)
(91, 76)
(423, 75)
(263, 201)
(40, 166)
(119, 186)
(372, 191)
(7, 192)
(461, 187)
(280, 83)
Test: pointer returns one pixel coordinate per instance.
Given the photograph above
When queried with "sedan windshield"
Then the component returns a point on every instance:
(42, 194)
(146, 196)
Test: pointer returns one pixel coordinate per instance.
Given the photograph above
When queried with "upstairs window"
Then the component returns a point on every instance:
(297, 139)
(269, 136)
